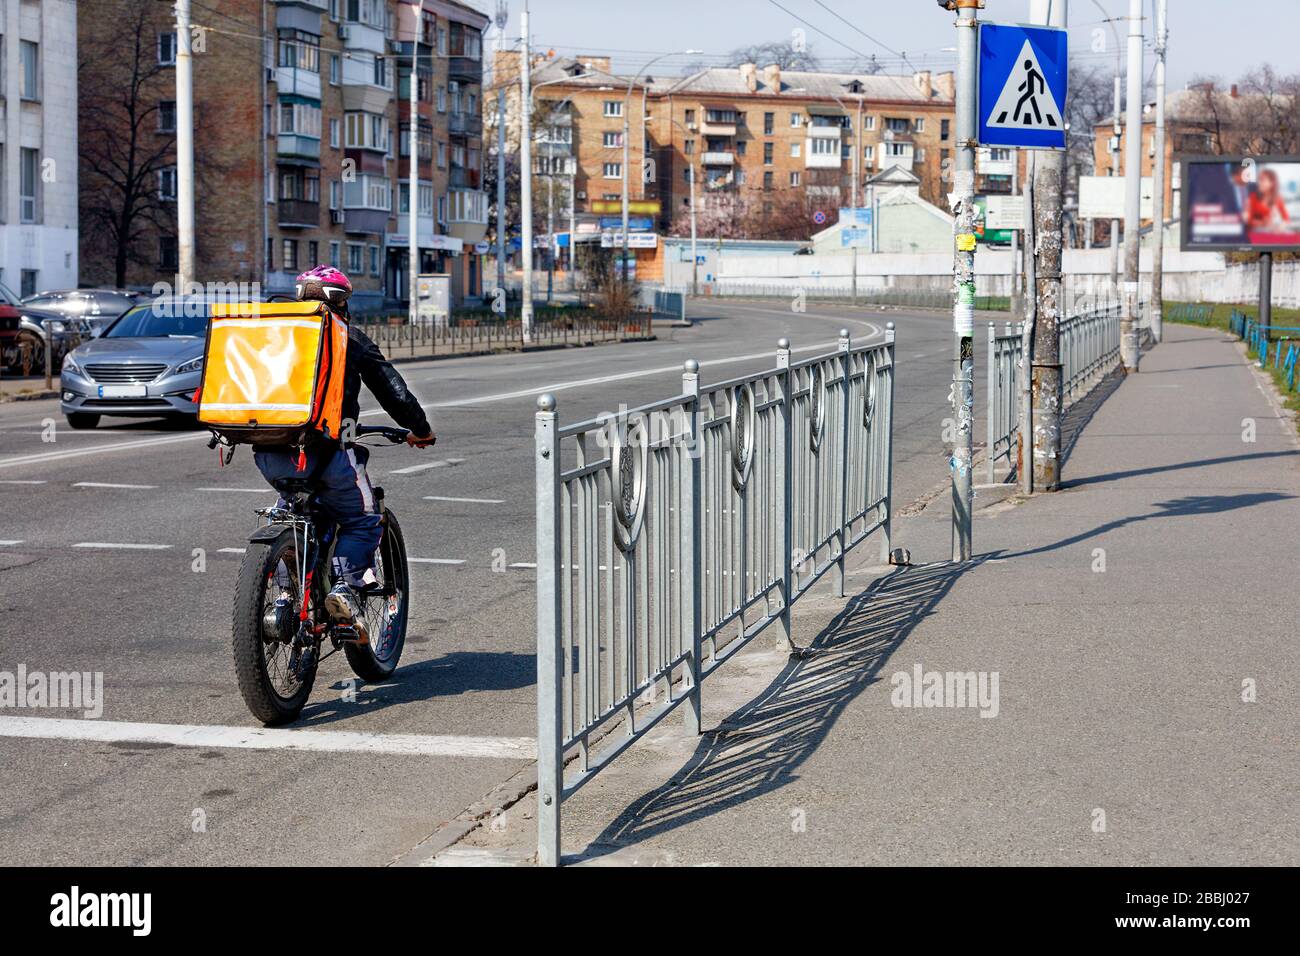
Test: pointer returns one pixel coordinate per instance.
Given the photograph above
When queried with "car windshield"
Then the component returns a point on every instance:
(144, 321)
(7, 297)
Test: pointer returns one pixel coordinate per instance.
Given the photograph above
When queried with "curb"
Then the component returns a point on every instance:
(30, 396)
(485, 353)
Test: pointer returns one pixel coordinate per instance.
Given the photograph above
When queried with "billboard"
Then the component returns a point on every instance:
(1241, 202)
(1103, 197)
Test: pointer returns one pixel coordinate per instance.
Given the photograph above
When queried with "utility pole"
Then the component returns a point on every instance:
(184, 149)
(1128, 334)
(1045, 373)
(627, 106)
(1158, 180)
(550, 210)
(1116, 130)
(526, 179)
(501, 187)
(695, 259)
(963, 199)
(413, 175)
(1017, 305)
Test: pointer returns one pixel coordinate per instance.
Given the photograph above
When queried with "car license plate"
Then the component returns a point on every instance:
(123, 391)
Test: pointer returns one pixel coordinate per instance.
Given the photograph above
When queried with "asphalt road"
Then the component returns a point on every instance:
(154, 618)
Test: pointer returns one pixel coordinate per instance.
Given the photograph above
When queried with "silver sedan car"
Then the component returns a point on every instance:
(147, 364)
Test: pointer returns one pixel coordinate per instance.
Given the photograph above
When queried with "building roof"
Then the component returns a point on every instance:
(802, 84)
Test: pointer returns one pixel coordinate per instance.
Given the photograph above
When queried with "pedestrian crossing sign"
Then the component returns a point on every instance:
(1023, 74)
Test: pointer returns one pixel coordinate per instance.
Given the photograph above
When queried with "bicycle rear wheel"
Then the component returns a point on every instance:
(267, 601)
(384, 610)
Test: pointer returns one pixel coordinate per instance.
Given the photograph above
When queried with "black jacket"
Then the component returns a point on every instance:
(365, 363)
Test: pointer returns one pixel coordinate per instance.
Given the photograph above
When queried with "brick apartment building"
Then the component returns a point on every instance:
(300, 142)
(766, 147)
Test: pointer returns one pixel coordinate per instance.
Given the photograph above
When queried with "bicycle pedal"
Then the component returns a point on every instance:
(350, 634)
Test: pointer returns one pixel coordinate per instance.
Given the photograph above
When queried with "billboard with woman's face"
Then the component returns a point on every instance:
(1241, 202)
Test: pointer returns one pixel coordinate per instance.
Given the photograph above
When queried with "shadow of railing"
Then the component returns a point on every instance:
(758, 748)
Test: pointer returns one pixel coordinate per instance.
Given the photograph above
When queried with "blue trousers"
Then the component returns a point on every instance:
(345, 495)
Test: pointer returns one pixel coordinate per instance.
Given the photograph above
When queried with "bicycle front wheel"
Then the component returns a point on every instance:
(384, 610)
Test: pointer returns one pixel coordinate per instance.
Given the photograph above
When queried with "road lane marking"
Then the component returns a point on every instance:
(15, 481)
(445, 463)
(524, 564)
(10, 541)
(468, 501)
(435, 560)
(108, 484)
(263, 738)
(231, 550)
(102, 449)
(118, 544)
(245, 491)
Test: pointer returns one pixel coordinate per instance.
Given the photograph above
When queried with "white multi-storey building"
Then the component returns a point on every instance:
(38, 145)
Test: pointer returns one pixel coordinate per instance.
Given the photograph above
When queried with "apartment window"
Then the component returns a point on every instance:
(613, 107)
(28, 282)
(1000, 155)
(795, 149)
(167, 49)
(740, 147)
(846, 151)
(897, 149)
(613, 170)
(374, 260)
(767, 154)
(313, 251)
(167, 183)
(382, 75)
(335, 133)
(299, 51)
(689, 147)
(167, 116)
(610, 197)
(896, 125)
(690, 117)
(336, 254)
(686, 174)
(944, 156)
(296, 184)
(442, 99)
(945, 127)
(920, 154)
(369, 12)
(168, 258)
(301, 119)
(334, 10)
(919, 125)
(769, 122)
(796, 120)
(794, 179)
(289, 255)
(29, 185)
(366, 131)
(442, 155)
(270, 253)
(336, 69)
(356, 256)
(29, 75)
(868, 122)
(442, 41)
(869, 153)
(368, 192)
(820, 146)
(613, 140)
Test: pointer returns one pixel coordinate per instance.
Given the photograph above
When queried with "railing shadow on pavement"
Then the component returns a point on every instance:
(459, 672)
(1177, 466)
(1077, 416)
(757, 749)
(1188, 507)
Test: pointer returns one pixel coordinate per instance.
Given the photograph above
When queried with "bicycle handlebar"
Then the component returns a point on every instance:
(394, 435)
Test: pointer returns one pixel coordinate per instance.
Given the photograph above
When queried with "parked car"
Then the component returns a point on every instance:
(146, 364)
(95, 308)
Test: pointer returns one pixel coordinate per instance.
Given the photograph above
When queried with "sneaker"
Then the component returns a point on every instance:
(341, 604)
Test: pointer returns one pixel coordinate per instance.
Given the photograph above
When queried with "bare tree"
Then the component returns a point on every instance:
(123, 150)
(786, 54)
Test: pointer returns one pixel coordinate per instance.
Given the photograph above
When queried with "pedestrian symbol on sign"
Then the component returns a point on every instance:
(1027, 103)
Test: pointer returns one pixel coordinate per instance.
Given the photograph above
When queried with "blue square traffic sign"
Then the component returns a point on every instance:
(1023, 76)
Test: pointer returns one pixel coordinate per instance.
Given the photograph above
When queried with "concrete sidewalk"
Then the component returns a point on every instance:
(1117, 626)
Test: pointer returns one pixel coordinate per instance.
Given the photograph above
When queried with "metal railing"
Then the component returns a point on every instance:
(670, 535)
(427, 339)
(819, 288)
(1089, 350)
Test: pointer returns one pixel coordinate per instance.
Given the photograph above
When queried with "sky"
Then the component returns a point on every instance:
(635, 31)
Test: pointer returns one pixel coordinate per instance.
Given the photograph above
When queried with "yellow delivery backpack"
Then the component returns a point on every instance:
(273, 372)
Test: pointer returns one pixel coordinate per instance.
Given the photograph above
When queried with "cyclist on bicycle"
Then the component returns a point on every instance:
(338, 469)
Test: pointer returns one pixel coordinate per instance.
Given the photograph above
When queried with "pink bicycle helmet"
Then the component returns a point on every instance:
(325, 284)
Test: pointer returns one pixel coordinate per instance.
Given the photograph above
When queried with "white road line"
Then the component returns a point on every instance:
(231, 550)
(107, 484)
(12, 541)
(102, 449)
(261, 738)
(446, 463)
(22, 482)
(245, 491)
(468, 501)
(435, 560)
(524, 564)
(128, 546)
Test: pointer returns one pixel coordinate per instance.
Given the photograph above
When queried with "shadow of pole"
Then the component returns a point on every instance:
(758, 748)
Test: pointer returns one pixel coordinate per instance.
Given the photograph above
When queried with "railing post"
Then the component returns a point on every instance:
(886, 527)
(785, 456)
(550, 726)
(845, 364)
(688, 576)
(994, 363)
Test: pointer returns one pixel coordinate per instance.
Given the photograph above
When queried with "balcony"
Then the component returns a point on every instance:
(718, 158)
(295, 145)
(366, 221)
(825, 132)
(290, 79)
(717, 129)
(465, 124)
(314, 4)
(814, 160)
(468, 69)
(459, 177)
(298, 213)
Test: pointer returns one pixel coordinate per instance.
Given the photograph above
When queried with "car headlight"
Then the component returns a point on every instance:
(193, 365)
(55, 326)
(70, 365)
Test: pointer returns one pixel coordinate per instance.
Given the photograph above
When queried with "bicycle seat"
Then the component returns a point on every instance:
(379, 493)
(288, 487)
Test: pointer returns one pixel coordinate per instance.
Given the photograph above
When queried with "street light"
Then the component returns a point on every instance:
(627, 101)
(695, 261)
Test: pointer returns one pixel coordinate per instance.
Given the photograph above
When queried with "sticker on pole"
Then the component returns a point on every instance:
(1023, 74)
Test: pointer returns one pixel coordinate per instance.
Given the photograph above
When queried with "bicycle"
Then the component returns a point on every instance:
(280, 624)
